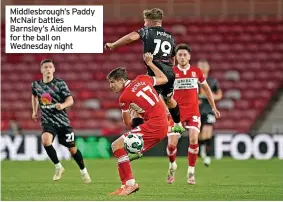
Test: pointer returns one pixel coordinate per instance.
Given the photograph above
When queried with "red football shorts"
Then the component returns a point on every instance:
(191, 122)
(151, 134)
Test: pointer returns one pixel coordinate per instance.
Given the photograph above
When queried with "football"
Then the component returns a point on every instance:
(133, 143)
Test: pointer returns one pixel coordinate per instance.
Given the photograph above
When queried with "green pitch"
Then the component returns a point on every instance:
(225, 180)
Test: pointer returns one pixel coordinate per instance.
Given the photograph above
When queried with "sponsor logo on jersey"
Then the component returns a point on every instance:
(46, 101)
(185, 83)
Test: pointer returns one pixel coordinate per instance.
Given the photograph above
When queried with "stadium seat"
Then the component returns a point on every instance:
(245, 57)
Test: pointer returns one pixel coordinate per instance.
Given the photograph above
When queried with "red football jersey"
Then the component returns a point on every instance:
(140, 91)
(186, 89)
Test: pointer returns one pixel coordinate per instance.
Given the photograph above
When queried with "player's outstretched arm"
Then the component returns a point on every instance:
(34, 104)
(129, 38)
(69, 101)
(159, 75)
(210, 98)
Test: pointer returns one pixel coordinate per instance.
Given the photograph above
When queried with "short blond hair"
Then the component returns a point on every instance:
(153, 14)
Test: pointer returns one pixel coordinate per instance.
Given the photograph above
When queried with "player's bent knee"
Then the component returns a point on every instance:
(46, 139)
(73, 150)
(206, 132)
(170, 102)
(193, 140)
(194, 136)
(173, 140)
(117, 144)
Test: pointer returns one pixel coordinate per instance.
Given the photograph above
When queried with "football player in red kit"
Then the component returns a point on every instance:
(142, 94)
(186, 94)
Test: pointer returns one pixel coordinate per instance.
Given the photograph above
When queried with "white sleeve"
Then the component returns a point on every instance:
(204, 82)
(154, 80)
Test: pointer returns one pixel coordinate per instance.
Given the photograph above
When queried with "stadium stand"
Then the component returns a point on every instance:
(246, 57)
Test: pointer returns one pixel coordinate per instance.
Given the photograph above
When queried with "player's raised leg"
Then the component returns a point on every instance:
(47, 139)
(175, 114)
(173, 139)
(128, 182)
(166, 93)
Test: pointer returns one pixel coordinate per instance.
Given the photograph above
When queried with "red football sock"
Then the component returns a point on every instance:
(124, 166)
(193, 154)
(171, 153)
(122, 177)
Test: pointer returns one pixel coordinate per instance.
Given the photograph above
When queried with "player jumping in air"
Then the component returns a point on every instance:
(186, 94)
(161, 44)
(207, 115)
(141, 93)
(53, 96)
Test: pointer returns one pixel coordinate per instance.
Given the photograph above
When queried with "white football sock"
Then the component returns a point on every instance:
(173, 165)
(130, 182)
(191, 169)
(58, 165)
(178, 124)
(83, 171)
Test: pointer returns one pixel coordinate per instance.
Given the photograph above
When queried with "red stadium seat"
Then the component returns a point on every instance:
(253, 49)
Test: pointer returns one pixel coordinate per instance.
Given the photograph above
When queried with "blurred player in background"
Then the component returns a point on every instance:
(141, 93)
(207, 114)
(53, 96)
(161, 44)
(186, 94)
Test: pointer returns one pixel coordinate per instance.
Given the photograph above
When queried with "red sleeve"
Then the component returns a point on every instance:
(148, 79)
(201, 77)
(124, 103)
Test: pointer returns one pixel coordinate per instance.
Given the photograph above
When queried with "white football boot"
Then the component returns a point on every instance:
(85, 176)
(171, 172)
(58, 173)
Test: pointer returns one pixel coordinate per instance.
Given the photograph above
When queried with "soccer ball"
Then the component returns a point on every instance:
(133, 143)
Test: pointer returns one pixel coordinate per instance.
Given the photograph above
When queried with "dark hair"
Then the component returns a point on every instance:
(118, 73)
(153, 14)
(183, 46)
(46, 61)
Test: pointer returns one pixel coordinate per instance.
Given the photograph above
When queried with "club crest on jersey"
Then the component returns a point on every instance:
(194, 74)
(177, 75)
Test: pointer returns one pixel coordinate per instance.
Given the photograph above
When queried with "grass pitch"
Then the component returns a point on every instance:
(226, 179)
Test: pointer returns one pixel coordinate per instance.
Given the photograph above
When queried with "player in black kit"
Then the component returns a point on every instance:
(207, 115)
(53, 96)
(161, 44)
